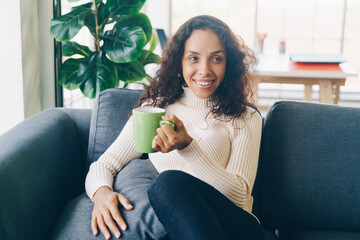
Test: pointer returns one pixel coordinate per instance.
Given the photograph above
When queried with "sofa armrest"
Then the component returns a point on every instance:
(82, 119)
(42, 166)
(309, 169)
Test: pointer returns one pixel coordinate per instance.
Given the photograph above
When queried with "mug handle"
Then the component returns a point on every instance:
(170, 123)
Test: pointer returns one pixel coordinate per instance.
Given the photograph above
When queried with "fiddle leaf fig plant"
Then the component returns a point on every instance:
(123, 44)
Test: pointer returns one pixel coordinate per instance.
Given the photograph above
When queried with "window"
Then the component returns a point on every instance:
(238, 14)
(305, 26)
(351, 48)
(316, 26)
(75, 99)
(319, 26)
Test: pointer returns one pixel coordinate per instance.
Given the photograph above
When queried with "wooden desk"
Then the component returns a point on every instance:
(277, 68)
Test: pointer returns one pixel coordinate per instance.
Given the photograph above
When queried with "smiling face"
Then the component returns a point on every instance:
(203, 62)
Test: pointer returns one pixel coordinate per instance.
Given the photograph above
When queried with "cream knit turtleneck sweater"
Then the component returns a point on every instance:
(223, 154)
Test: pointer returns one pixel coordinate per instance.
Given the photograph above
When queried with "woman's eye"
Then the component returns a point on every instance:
(193, 59)
(217, 59)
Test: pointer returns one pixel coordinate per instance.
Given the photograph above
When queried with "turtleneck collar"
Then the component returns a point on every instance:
(191, 100)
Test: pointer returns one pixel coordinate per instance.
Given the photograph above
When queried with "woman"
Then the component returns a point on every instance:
(208, 165)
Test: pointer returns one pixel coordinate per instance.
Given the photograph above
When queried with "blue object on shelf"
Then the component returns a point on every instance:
(317, 58)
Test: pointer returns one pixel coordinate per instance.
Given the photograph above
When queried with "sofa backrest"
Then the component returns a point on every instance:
(309, 169)
(109, 115)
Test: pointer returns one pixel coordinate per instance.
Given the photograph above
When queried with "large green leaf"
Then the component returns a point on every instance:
(148, 57)
(134, 20)
(97, 74)
(71, 48)
(131, 72)
(68, 73)
(86, 5)
(67, 26)
(90, 23)
(120, 7)
(153, 42)
(124, 44)
(103, 13)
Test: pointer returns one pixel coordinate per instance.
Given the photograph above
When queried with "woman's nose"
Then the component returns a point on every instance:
(204, 68)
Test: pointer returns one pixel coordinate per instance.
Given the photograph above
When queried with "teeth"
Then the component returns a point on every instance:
(204, 83)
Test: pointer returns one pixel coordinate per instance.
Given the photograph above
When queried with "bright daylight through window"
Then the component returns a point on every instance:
(307, 26)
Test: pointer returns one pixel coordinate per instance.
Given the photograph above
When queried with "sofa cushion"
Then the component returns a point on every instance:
(133, 182)
(109, 115)
(309, 167)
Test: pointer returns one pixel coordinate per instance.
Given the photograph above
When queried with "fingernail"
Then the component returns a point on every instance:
(117, 235)
(123, 227)
(107, 236)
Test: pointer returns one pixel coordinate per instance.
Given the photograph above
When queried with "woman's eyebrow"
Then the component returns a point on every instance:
(215, 52)
(218, 51)
(192, 52)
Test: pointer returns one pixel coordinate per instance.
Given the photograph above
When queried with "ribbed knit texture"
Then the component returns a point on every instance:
(224, 154)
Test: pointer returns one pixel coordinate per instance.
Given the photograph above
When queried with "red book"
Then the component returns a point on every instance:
(314, 66)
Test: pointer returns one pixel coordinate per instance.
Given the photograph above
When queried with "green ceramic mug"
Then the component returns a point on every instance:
(146, 120)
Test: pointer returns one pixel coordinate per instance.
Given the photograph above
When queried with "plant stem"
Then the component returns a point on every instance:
(97, 37)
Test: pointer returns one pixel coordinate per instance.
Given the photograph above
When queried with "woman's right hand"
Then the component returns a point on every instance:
(106, 214)
(167, 139)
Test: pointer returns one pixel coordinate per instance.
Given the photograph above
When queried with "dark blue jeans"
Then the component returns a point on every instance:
(191, 209)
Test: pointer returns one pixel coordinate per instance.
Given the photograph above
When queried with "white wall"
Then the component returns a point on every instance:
(11, 89)
(27, 53)
(26, 61)
(47, 74)
(159, 13)
(38, 55)
(30, 56)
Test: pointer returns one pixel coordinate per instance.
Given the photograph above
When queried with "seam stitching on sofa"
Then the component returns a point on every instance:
(268, 123)
(96, 128)
(74, 123)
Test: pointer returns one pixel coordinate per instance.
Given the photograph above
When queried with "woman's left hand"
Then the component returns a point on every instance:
(167, 139)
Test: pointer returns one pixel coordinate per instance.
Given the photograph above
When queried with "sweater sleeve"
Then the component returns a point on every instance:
(237, 179)
(120, 152)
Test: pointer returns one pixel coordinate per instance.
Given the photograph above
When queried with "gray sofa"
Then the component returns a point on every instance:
(306, 187)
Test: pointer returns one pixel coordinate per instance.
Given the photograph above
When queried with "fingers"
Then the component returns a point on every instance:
(163, 132)
(158, 144)
(178, 139)
(168, 137)
(104, 222)
(109, 221)
(161, 141)
(125, 202)
(94, 225)
(106, 216)
(118, 219)
(116, 213)
(174, 119)
(103, 228)
(167, 131)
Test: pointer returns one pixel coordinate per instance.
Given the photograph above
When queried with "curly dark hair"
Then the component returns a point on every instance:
(233, 94)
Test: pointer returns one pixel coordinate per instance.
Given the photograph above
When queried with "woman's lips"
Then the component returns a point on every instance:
(204, 84)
